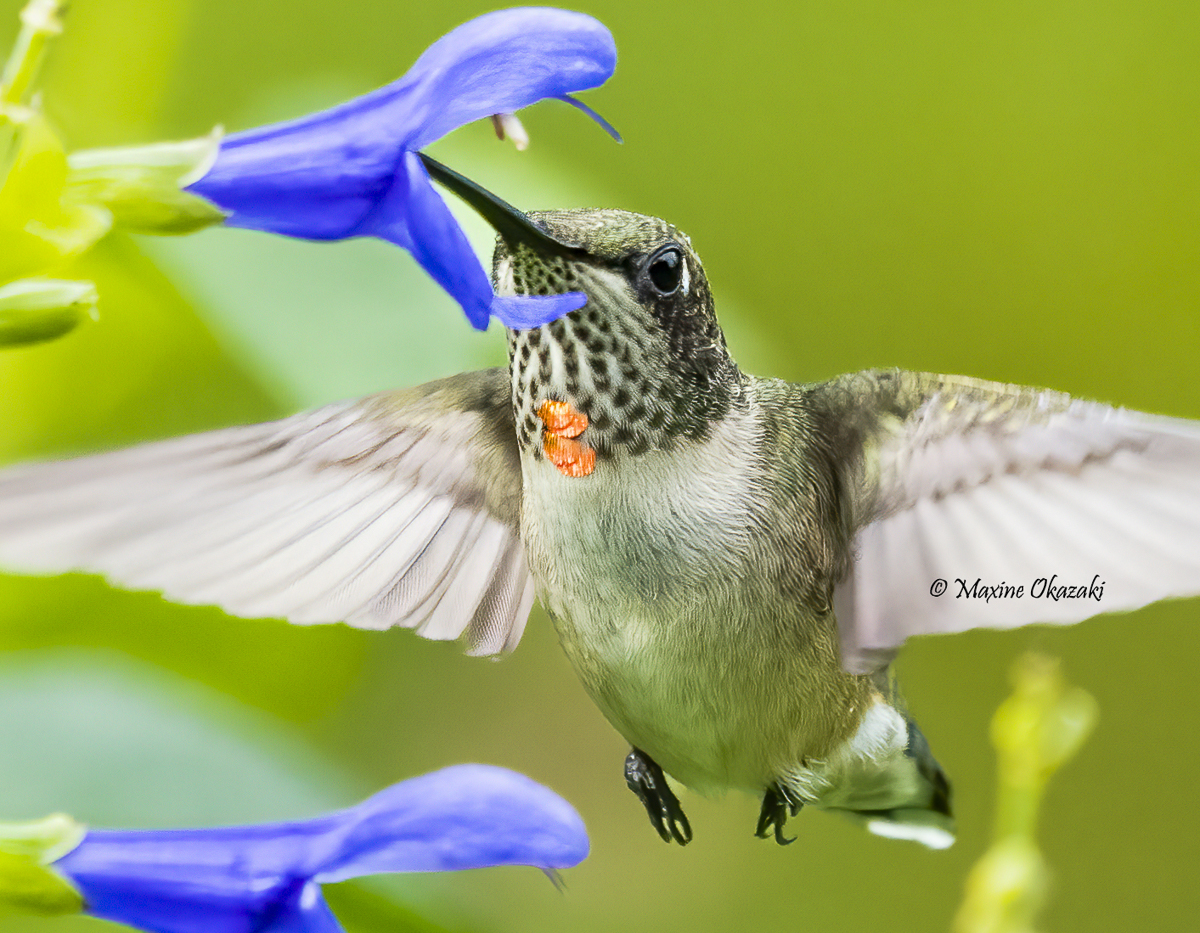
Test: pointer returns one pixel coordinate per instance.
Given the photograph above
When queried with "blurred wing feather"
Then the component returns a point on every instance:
(402, 509)
(962, 481)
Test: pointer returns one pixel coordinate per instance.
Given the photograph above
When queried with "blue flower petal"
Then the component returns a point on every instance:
(229, 880)
(468, 816)
(522, 312)
(264, 879)
(307, 913)
(318, 177)
(350, 171)
(504, 61)
(414, 216)
(315, 178)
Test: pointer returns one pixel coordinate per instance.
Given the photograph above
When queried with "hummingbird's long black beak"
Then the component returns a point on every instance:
(509, 222)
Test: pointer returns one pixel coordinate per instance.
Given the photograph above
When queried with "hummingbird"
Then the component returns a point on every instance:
(730, 562)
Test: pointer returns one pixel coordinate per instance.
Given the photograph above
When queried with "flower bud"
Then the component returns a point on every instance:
(34, 310)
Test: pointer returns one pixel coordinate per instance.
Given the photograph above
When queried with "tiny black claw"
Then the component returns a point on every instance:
(778, 803)
(646, 779)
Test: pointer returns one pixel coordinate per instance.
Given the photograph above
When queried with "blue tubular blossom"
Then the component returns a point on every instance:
(266, 878)
(352, 171)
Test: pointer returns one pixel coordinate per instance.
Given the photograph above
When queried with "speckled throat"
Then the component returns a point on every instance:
(647, 370)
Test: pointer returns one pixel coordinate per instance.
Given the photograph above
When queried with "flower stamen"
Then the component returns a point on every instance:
(509, 126)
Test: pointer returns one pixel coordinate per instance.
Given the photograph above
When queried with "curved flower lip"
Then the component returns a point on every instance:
(351, 170)
(266, 878)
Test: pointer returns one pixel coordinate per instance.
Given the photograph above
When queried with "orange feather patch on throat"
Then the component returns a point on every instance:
(562, 425)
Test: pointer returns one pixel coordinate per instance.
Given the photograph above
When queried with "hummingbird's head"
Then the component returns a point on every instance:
(644, 359)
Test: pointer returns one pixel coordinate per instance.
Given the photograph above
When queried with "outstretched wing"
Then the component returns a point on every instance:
(1027, 506)
(398, 509)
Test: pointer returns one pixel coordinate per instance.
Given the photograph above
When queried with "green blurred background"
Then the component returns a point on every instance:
(1003, 190)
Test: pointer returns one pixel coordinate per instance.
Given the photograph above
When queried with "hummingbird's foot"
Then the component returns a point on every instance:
(778, 804)
(646, 779)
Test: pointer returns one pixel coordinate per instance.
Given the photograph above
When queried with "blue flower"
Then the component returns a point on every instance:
(266, 878)
(353, 170)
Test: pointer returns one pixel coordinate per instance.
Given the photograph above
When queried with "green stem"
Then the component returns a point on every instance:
(1017, 809)
(41, 21)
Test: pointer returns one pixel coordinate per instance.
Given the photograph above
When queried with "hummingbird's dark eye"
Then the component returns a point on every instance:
(666, 270)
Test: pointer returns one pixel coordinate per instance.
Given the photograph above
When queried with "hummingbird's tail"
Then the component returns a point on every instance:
(923, 812)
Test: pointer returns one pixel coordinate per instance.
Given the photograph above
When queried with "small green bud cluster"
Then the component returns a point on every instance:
(54, 206)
